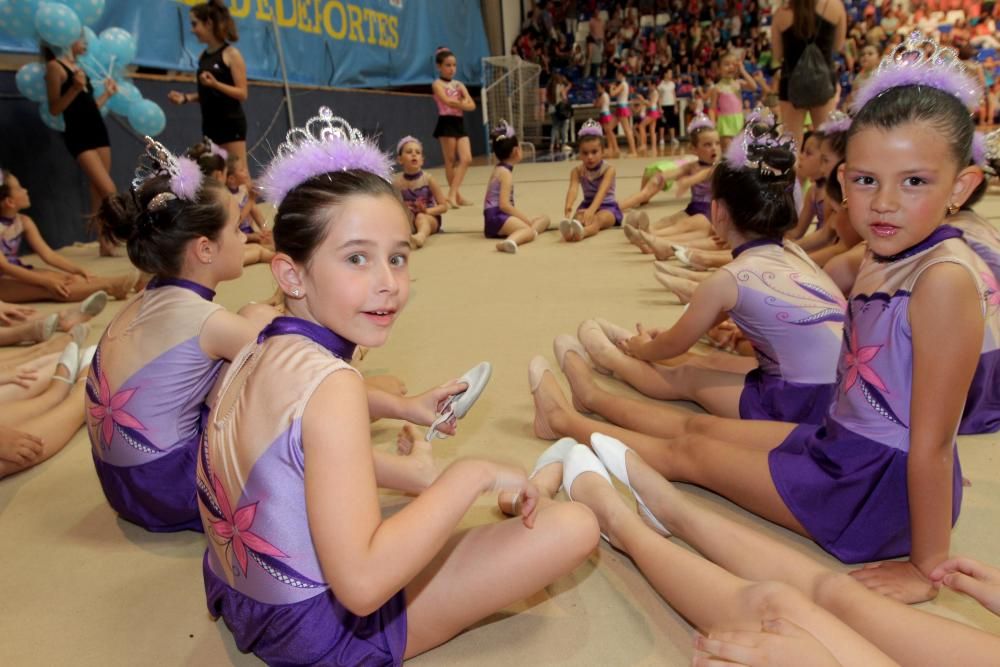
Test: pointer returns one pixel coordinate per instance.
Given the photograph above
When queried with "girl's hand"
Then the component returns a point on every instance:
(9, 313)
(588, 216)
(780, 642)
(208, 79)
(633, 346)
(22, 377)
(513, 480)
(19, 448)
(79, 80)
(421, 206)
(110, 87)
(58, 284)
(82, 272)
(176, 97)
(424, 408)
(979, 581)
(899, 580)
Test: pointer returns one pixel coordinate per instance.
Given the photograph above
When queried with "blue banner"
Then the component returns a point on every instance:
(350, 43)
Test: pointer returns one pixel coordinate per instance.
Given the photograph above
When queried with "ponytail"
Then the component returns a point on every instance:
(223, 25)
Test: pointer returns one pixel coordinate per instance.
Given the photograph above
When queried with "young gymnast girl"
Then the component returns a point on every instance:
(20, 282)
(500, 219)
(620, 91)
(252, 222)
(607, 119)
(880, 477)
(809, 171)
(300, 563)
(453, 100)
(222, 79)
(725, 98)
(420, 192)
(598, 210)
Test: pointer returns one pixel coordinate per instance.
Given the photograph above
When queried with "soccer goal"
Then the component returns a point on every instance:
(510, 92)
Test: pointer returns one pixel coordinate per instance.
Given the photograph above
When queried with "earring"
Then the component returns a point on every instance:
(210, 259)
(953, 208)
(843, 202)
(295, 292)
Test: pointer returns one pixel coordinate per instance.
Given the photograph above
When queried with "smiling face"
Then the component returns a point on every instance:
(897, 185)
(358, 279)
(411, 158)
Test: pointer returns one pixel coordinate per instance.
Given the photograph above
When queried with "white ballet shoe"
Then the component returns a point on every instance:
(458, 405)
(48, 328)
(576, 229)
(94, 304)
(508, 246)
(614, 332)
(579, 459)
(87, 356)
(593, 338)
(70, 358)
(555, 453)
(683, 254)
(611, 452)
(566, 229)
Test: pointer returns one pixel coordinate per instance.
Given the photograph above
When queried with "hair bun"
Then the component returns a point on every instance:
(779, 158)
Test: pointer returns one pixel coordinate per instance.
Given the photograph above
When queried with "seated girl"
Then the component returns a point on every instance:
(598, 210)
(420, 192)
(501, 220)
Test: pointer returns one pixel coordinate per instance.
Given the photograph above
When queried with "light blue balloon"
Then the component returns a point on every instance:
(121, 102)
(57, 24)
(119, 43)
(146, 117)
(17, 17)
(88, 10)
(55, 122)
(31, 82)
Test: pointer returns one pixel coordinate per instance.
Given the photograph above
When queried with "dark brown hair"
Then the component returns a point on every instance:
(223, 25)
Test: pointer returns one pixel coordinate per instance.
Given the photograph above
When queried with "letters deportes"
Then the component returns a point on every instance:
(338, 19)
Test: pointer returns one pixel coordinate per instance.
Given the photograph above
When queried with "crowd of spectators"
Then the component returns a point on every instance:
(586, 41)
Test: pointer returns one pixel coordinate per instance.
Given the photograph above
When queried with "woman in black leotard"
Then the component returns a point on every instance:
(796, 24)
(222, 79)
(70, 94)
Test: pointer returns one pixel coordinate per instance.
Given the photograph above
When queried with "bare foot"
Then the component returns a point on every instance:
(462, 201)
(548, 479)
(419, 454)
(417, 241)
(387, 383)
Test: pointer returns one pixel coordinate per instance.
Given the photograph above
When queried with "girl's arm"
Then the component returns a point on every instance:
(110, 90)
(685, 183)
(946, 320)
(710, 305)
(467, 103)
(805, 216)
(366, 559)
(747, 82)
(844, 267)
(506, 187)
(574, 188)
(54, 78)
(421, 409)
(713, 99)
(438, 194)
(820, 238)
(438, 89)
(239, 90)
(225, 333)
(47, 254)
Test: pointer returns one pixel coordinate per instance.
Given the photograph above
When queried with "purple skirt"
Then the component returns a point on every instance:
(613, 207)
(493, 221)
(982, 406)
(316, 631)
(160, 495)
(849, 492)
(699, 208)
(769, 397)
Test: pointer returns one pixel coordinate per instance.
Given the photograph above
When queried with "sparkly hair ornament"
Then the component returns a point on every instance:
(216, 149)
(407, 140)
(920, 61)
(700, 121)
(326, 144)
(836, 122)
(990, 146)
(590, 128)
(760, 135)
(503, 130)
(185, 175)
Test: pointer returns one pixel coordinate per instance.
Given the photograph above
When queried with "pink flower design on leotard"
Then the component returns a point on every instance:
(233, 530)
(857, 359)
(992, 290)
(110, 410)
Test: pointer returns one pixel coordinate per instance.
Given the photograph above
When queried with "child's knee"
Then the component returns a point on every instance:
(774, 599)
(573, 527)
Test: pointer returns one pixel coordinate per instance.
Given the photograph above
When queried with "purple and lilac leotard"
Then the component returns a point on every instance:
(846, 479)
(793, 315)
(590, 182)
(415, 189)
(243, 198)
(701, 196)
(982, 408)
(145, 397)
(11, 235)
(262, 572)
(493, 217)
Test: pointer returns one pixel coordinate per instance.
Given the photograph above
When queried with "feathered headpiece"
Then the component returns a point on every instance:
(590, 128)
(326, 144)
(185, 175)
(407, 140)
(989, 147)
(700, 121)
(216, 149)
(502, 129)
(760, 135)
(920, 61)
(836, 122)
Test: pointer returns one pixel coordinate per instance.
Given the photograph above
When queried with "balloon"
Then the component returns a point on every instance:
(31, 82)
(57, 24)
(88, 10)
(55, 122)
(121, 102)
(17, 17)
(120, 44)
(146, 117)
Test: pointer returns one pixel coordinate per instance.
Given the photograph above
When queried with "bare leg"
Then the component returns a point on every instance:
(681, 272)
(609, 134)
(96, 164)
(601, 220)
(17, 412)
(425, 226)
(464, 149)
(254, 253)
(487, 568)
(56, 427)
(44, 366)
(412, 469)
(793, 119)
(448, 152)
(629, 135)
(28, 332)
(239, 149)
(646, 192)
(11, 357)
(13, 291)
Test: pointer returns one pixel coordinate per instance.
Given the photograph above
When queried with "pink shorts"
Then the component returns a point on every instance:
(623, 112)
(606, 118)
(653, 114)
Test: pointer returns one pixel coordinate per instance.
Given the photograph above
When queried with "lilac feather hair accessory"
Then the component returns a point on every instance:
(185, 175)
(700, 121)
(216, 149)
(920, 61)
(836, 122)
(761, 132)
(326, 144)
(503, 129)
(590, 128)
(407, 140)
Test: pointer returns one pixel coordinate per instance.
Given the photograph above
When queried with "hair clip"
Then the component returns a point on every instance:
(700, 121)
(216, 149)
(590, 128)
(185, 176)
(836, 122)
(160, 201)
(503, 129)
(920, 61)
(326, 144)
(407, 140)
